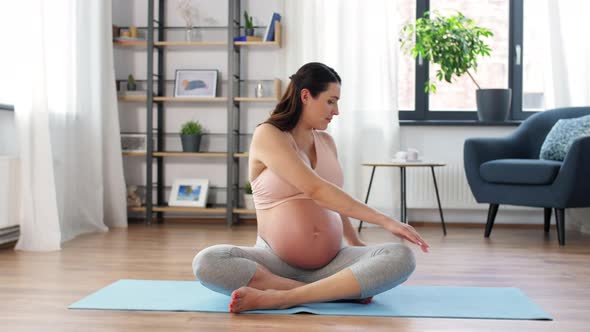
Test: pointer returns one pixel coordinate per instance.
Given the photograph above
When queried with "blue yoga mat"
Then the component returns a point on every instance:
(402, 301)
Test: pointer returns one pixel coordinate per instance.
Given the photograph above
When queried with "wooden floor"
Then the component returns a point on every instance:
(36, 288)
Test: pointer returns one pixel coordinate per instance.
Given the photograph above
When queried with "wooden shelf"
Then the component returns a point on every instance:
(178, 154)
(276, 43)
(174, 99)
(233, 102)
(189, 44)
(130, 43)
(244, 211)
(190, 154)
(177, 99)
(178, 209)
(266, 99)
(132, 98)
(134, 154)
(188, 209)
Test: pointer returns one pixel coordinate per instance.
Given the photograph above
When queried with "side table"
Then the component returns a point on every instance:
(402, 165)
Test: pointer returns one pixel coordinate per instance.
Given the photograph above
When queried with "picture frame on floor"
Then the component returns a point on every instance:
(189, 193)
(195, 83)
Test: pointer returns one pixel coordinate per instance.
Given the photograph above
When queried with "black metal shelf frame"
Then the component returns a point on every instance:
(158, 81)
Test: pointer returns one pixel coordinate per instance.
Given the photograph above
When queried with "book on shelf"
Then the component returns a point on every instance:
(248, 38)
(269, 35)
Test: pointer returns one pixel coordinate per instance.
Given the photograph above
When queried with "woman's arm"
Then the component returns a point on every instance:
(272, 147)
(350, 233)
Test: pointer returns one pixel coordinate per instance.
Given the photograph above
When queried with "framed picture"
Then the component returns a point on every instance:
(194, 83)
(134, 142)
(189, 192)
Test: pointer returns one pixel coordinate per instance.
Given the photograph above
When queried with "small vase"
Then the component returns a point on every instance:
(188, 34)
(259, 91)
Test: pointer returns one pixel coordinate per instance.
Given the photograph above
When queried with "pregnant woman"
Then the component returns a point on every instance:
(302, 215)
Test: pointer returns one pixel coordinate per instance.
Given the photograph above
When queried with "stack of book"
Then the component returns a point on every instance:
(269, 35)
(9, 235)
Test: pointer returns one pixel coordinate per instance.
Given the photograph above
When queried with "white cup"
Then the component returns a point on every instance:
(401, 155)
(412, 154)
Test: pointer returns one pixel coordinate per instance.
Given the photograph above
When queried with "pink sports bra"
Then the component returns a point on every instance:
(270, 190)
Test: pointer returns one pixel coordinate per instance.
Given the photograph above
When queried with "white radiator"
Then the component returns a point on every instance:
(8, 191)
(452, 187)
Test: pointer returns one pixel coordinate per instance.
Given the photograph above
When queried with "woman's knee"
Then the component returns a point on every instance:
(402, 257)
(223, 269)
(206, 261)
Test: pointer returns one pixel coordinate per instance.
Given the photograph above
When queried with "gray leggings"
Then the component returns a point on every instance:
(225, 268)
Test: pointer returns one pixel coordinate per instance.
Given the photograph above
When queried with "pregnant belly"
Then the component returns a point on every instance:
(301, 232)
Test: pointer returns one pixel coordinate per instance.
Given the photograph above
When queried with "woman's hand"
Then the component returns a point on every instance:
(407, 232)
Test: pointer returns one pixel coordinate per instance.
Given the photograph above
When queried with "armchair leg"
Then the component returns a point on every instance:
(491, 217)
(560, 221)
(547, 219)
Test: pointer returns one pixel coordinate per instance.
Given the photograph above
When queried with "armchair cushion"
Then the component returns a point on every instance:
(520, 171)
(562, 135)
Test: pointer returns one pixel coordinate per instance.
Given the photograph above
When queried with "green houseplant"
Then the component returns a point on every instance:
(455, 43)
(248, 24)
(131, 83)
(248, 197)
(190, 135)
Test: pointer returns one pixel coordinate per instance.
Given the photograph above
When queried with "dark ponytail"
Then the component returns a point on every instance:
(313, 76)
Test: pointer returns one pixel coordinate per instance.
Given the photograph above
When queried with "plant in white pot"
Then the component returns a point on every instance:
(455, 43)
(248, 197)
(190, 135)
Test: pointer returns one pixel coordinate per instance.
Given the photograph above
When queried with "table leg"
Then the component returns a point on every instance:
(403, 207)
(442, 219)
(367, 197)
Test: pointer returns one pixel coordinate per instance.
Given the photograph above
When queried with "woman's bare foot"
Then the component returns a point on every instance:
(263, 279)
(248, 298)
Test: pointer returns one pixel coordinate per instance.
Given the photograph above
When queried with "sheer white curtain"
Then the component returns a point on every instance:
(568, 64)
(359, 40)
(68, 128)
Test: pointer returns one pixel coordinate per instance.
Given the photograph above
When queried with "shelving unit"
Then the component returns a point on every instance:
(156, 99)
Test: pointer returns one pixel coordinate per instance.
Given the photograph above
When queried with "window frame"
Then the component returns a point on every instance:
(422, 112)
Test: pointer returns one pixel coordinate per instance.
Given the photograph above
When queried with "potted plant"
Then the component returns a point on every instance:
(454, 43)
(248, 198)
(131, 84)
(190, 135)
(248, 24)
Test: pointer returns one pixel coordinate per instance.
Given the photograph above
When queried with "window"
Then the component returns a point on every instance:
(456, 101)
(492, 71)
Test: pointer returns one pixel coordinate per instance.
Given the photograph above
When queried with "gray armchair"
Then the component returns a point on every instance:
(508, 170)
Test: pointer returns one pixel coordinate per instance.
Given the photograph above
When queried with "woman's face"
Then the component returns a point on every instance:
(318, 112)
